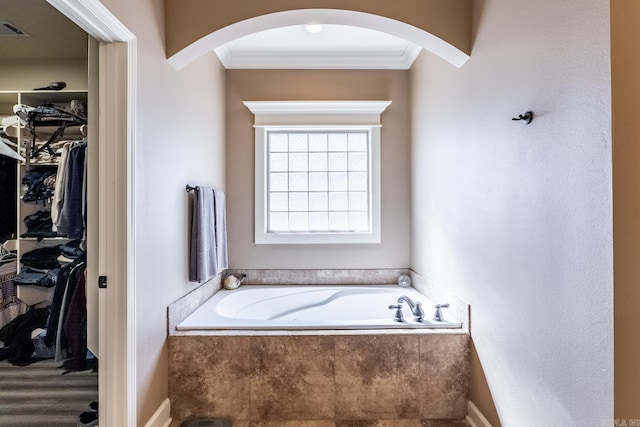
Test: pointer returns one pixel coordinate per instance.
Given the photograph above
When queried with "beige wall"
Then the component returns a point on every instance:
(518, 219)
(190, 20)
(259, 85)
(531, 293)
(179, 141)
(625, 66)
(30, 74)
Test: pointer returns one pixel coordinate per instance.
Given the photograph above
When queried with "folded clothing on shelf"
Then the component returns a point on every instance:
(39, 225)
(42, 258)
(73, 249)
(39, 184)
(45, 279)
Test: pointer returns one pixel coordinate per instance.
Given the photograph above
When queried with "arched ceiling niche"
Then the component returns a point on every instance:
(196, 27)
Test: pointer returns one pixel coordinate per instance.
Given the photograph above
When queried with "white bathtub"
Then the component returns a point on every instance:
(311, 307)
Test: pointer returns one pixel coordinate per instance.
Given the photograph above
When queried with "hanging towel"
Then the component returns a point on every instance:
(208, 246)
(222, 262)
(202, 265)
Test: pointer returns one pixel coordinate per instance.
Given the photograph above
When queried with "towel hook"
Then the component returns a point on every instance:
(190, 188)
(527, 117)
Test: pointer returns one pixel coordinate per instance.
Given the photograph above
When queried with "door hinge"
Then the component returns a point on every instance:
(102, 282)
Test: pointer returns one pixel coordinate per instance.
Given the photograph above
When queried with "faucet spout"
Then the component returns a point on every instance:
(416, 308)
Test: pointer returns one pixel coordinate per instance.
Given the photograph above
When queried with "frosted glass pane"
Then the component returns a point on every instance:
(298, 201)
(278, 182)
(278, 202)
(318, 181)
(337, 181)
(298, 221)
(298, 162)
(318, 142)
(358, 181)
(278, 162)
(278, 221)
(337, 142)
(318, 221)
(318, 201)
(338, 202)
(298, 142)
(358, 201)
(337, 161)
(358, 221)
(358, 162)
(357, 142)
(317, 161)
(338, 221)
(297, 181)
(278, 142)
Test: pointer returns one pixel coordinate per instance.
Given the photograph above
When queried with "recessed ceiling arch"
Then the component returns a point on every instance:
(190, 48)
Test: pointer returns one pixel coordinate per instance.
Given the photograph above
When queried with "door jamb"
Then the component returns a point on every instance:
(117, 98)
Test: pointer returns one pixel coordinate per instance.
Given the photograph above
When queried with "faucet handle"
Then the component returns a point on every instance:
(398, 316)
(438, 314)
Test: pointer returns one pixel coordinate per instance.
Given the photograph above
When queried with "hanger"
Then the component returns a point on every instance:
(8, 257)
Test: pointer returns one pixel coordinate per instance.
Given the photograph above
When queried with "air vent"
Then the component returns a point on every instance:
(7, 29)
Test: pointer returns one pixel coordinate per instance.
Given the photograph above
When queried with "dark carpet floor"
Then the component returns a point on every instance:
(39, 395)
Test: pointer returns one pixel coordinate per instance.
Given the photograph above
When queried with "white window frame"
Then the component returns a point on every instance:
(316, 116)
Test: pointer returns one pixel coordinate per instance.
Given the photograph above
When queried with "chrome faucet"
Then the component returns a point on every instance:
(416, 308)
(398, 316)
(438, 314)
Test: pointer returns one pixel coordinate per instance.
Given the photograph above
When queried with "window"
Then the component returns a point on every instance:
(317, 171)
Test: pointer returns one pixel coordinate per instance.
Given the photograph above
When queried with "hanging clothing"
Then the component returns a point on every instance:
(71, 216)
(75, 325)
(61, 179)
(68, 273)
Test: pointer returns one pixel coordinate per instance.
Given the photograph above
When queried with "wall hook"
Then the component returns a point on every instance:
(527, 117)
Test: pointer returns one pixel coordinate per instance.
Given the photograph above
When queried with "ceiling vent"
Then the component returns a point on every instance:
(7, 29)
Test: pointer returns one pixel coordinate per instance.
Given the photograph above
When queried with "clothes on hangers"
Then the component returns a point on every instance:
(73, 114)
(70, 210)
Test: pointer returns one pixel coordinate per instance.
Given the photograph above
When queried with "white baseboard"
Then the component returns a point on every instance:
(162, 416)
(474, 416)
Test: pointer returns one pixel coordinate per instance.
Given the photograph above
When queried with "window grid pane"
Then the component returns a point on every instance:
(319, 182)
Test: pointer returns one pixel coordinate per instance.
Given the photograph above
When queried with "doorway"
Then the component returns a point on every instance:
(115, 86)
(49, 367)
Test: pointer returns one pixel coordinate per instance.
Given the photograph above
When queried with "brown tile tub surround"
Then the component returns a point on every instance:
(342, 381)
(323, 423)
(292, 377)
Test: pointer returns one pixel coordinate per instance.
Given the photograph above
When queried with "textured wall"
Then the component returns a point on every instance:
(518, 219)
(261, 85)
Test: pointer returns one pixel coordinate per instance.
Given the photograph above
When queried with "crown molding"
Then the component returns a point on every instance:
(355, 60)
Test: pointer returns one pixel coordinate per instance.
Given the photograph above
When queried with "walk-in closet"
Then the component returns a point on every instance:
(48, 338)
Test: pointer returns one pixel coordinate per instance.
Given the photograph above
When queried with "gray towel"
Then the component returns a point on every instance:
(208, 247)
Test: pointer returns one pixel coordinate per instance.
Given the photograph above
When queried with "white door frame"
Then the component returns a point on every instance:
(117, 93)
